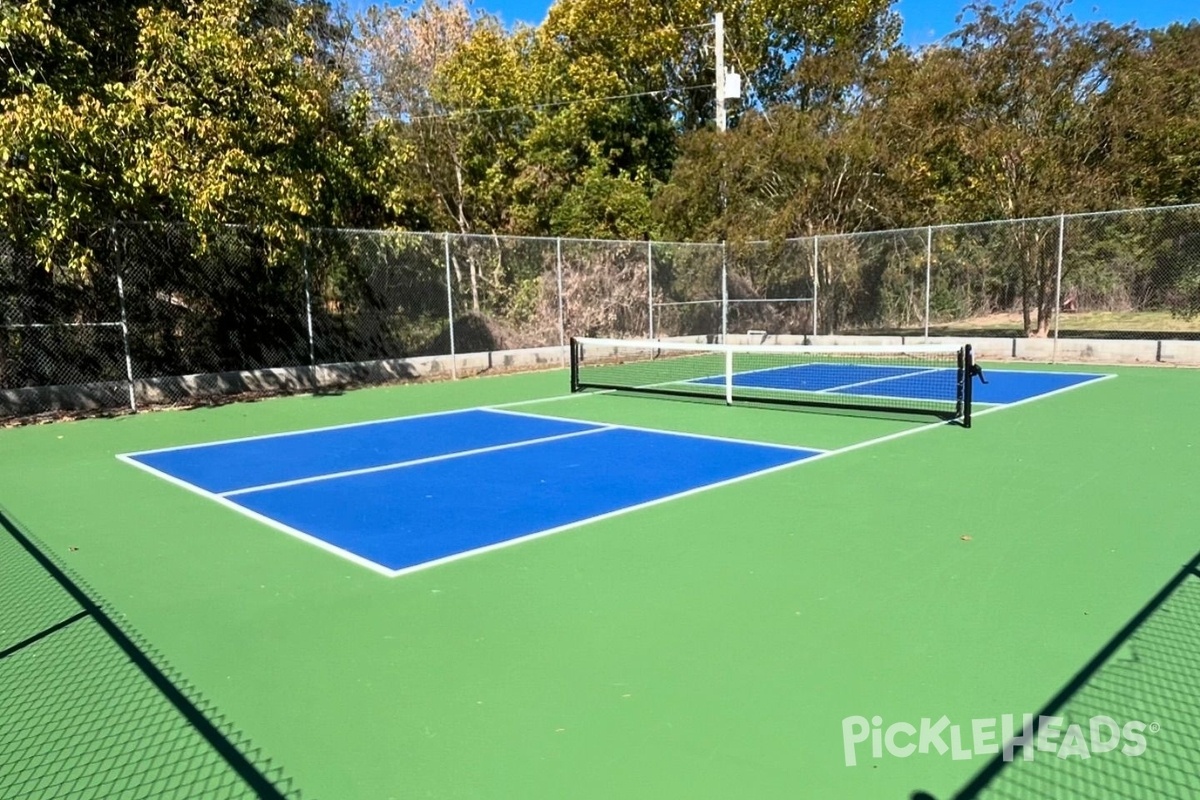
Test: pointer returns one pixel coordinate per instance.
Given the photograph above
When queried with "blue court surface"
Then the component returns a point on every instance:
(403, 494)
(899, 382)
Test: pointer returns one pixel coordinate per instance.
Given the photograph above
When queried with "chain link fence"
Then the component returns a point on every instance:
(505, 292)
(606, 288)
(1132, 274)
(998, 278)
(871, 281)
(686, 289)
(769, 288)
(62, 326)
(206, 308)
(162, 314)
(372, 295)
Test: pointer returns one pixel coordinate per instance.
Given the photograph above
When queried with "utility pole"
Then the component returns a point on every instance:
(719, 30)
(719, 27)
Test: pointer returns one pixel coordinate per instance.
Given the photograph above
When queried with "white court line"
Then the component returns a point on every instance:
(660, 500)
(751, 398)
(322, 544)
(597, 518)
(268, 521)
(881, 380)
(1047, 372)
(1100, 378)
(721, 377)
(708, 378)
(729, 439)
(515, 403)
(1094, 376)
(826, 454)
(302, 431)
(363, 423)
(349, 473)
(551, 399)
(729, 482)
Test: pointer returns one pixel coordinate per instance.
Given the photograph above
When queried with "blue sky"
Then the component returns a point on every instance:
(925, 21)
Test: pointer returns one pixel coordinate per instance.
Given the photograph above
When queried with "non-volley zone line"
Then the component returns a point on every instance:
(659, 431)
(415, 462)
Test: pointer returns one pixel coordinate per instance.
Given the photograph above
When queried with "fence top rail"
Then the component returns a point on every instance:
(1147, 210)
(766, 349)
(25, 325)
(976, 223)
(496, 237)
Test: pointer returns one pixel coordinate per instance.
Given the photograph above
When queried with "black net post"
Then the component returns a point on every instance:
(968, 374)
(574, 365)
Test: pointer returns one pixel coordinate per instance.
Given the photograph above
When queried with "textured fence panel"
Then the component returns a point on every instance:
(872, 282)
(771, 287)
(687, 289)
(505, 293)
(60, 326)
(968, 263)
(1133, 274)
(606, 288)
(195, 306)
(377, 295)
(151, 307)
(995, 277)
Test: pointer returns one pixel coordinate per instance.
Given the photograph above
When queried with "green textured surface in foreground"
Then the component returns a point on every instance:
(705, 647)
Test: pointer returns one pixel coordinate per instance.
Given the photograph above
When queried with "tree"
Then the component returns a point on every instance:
(1010, 125)
(1153, 111)
(208, 111)
(813, 162)
(233, 121)
(398, 60)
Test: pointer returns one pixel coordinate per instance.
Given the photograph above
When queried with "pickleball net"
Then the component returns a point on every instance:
(908, 379)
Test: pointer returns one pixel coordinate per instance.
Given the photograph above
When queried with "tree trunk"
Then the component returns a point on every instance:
(1026, 269)
(460, 212)
(1045, 287)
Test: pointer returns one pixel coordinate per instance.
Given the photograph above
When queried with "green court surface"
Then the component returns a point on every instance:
(710, 646)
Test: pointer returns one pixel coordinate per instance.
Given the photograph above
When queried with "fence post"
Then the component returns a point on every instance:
(816, 273)
(562, 327)
(112, 232)
(1062, 219)
(724, 293)
(650, 284)
(450, 306)
(928, 272)
(312, 347)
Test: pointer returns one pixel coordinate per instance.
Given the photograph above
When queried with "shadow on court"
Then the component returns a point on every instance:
(1148, 672)
(89, 711)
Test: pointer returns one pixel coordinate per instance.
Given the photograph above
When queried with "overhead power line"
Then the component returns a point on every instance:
(556, 103)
